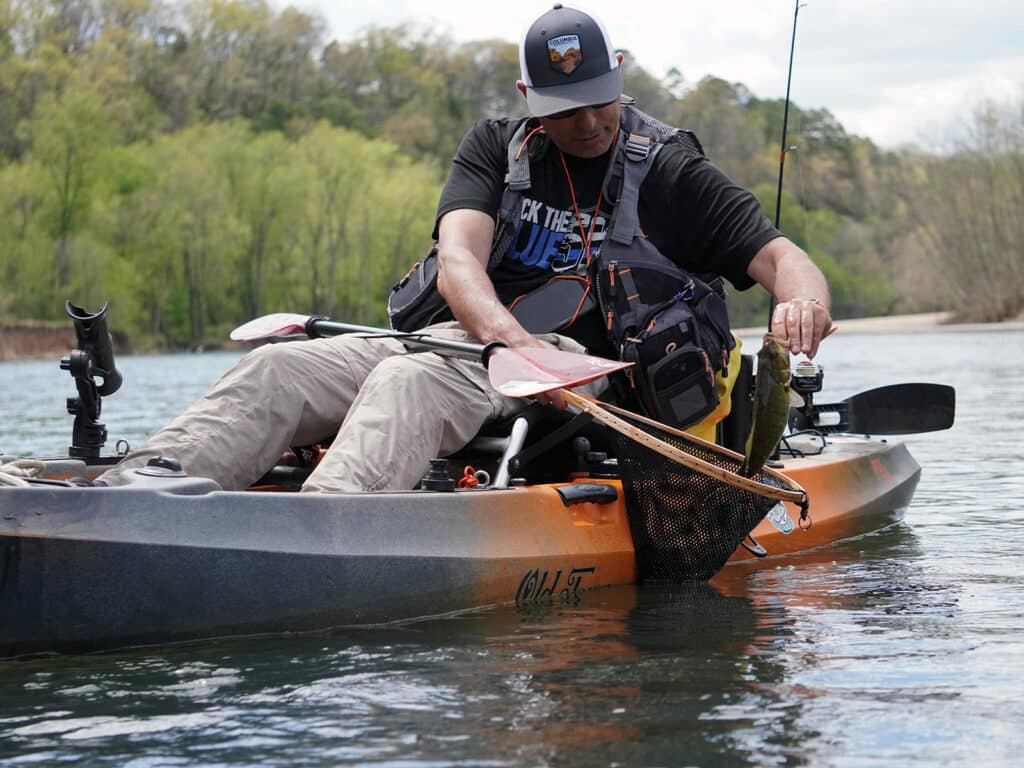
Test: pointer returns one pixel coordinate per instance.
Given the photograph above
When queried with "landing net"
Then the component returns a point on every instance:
(688, 506)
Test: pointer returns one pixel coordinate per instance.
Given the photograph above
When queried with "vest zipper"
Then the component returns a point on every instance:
(602, 304)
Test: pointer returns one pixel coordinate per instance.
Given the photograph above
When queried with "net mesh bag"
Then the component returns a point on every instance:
(686, 522)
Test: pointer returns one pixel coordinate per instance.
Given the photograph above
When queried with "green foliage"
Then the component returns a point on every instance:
(966, 211)
(199, 163)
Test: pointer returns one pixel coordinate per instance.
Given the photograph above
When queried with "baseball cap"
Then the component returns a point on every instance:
(567, 61)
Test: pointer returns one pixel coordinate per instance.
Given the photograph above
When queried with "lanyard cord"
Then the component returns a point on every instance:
(530, 135)
(587, 237)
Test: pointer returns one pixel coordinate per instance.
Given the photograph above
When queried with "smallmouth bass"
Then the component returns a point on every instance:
(772, 398)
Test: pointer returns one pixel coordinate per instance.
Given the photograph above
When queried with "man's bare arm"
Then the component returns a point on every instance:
(802, 314)
(463, 250)
(464, 246)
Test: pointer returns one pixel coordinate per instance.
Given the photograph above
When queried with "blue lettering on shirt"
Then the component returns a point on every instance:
(551, 240)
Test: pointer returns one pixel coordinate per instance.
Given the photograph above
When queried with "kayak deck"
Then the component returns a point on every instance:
(174, 558)
(855, 486)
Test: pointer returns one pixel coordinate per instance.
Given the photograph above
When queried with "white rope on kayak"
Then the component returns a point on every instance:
(15, 472)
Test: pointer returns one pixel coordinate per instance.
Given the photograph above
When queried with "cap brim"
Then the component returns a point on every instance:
(558, 98)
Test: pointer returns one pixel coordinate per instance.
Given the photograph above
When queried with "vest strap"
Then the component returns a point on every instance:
(640, 152)
(638, 147)
(518, 176)
(630, 318)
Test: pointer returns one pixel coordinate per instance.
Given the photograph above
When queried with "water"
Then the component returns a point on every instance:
(901, 648)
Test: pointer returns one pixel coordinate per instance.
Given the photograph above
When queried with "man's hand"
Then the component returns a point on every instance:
(803, 323)
(789, 274)
(553, 397)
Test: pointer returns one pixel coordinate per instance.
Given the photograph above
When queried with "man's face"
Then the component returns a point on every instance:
(588, 133)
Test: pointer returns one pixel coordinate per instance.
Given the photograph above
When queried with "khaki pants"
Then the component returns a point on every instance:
(397, 408)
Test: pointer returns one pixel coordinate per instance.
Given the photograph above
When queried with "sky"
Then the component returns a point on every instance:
(896, 71)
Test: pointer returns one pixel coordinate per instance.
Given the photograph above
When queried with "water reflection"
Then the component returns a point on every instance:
(765, 666)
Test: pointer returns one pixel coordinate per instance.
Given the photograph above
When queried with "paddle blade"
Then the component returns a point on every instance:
(527, 371)
(270, 326)
(898, 409)
(902, 409)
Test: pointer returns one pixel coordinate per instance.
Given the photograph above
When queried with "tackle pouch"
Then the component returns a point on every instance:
(672, 325)
(674, 379)
(414, 301)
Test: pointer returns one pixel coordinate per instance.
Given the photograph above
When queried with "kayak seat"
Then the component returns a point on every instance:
(540, 444)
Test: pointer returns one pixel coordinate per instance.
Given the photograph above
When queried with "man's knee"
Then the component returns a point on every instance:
(403, 373)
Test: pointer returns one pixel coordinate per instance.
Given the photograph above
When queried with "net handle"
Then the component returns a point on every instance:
(602, 413)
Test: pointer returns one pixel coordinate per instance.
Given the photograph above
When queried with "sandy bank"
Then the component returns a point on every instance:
(919, 323)
(20, 341)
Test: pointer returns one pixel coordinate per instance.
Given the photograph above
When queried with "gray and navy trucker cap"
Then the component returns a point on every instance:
(567, 61)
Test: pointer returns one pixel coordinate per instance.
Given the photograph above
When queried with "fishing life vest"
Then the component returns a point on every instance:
(672, 324)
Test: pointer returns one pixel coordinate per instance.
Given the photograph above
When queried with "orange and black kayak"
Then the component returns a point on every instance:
(170, 557)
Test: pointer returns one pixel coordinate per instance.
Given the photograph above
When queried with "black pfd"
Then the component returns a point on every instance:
(672, 324)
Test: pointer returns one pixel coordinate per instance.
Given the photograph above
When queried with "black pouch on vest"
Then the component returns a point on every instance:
(415, 301)
(554, 306)
(674, 376)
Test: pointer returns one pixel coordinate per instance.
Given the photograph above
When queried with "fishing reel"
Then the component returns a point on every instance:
(93, 356)
(805, 380)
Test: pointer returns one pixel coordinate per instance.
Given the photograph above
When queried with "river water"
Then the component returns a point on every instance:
(903, 647)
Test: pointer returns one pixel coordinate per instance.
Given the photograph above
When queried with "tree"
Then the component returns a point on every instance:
(967, 209)
(69, 133)
(24, 282)
(715, 111)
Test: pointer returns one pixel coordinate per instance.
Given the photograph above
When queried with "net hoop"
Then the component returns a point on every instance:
(604, 413)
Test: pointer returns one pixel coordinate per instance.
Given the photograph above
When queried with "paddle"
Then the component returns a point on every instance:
(519, 372)
(898, 409)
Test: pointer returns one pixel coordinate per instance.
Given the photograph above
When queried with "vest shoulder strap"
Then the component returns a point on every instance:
(517, 181)
(645, 136)
(518, 175)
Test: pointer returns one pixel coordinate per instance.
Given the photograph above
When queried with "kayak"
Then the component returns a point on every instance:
(170, 557)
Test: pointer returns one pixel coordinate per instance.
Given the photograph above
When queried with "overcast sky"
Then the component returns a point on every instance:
(894, 70)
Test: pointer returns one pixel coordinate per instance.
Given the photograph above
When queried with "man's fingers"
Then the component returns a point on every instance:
(554, 397)
(808, 338)
(803, 323)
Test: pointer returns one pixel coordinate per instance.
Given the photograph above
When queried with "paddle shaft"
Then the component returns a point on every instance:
(321, 326)
(519, 372)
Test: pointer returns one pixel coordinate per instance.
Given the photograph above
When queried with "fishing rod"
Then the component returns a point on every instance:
(785, 117)
(782, 151)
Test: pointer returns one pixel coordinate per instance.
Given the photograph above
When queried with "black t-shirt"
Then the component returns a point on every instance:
(691, 212)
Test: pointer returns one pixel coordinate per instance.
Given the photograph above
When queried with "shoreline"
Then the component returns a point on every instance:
(925, 322)
(34, 341)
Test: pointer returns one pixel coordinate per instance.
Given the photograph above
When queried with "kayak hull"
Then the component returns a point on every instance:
(855, 486)
(167, 558)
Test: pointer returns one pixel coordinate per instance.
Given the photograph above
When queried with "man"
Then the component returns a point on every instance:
(399, 408)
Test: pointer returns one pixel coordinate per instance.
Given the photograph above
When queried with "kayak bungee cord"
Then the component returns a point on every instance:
(18, 472)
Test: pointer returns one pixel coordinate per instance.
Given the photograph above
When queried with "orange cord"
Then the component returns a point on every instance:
(469, 478)
(530, 135)
(586, 237)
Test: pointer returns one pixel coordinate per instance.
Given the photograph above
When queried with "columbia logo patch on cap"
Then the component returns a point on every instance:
(565, 53)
